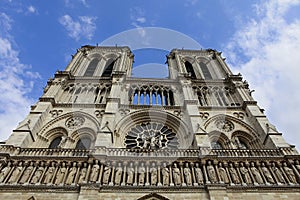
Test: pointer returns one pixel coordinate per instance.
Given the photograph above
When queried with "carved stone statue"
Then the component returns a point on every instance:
(290, 174)
(245, 174)
(5, 170)
(106, 175)
(71, 175)
(16, 173)
(83, 174)
(130, 173)
(166, 175)
(277, 173)
(223, 174)
(176, 175)
(153, 172)
(38, 174)
(267, 173)
(95, 172)
(142, 173)
(211, 172)
(62, 142)
(49, 174)
(60, 174)
(234, 174)
(187, 174)
(198, 174)
(297, 165)
(256, 174)
(118, 174)
(26, 174)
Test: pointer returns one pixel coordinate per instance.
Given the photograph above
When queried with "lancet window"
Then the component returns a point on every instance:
(84, 143)
(108, 68)
(151, 95)
(205, 71)
(189, 69)
(91, 67)
(216, 96)
(55, 143)
(86, 93)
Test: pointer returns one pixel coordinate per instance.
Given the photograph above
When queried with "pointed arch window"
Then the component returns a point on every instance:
(205, 71)
(216, 145)
(189, 68)
(108, 68)
(92, 67)
(84, 143)
(55, 143)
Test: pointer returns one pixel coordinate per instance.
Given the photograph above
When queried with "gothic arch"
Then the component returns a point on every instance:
(54, 133)
(172, 122)
(239, 125)
(216, 136)
(60, 121)
(250, 141)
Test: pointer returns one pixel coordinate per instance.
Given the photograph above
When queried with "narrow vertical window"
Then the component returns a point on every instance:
(108, 68)
(205, 71)
(189, 68)
(55, 143)
(83, 143)
(92, 67)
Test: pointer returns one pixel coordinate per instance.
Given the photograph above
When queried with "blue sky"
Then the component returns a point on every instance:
(260, 39)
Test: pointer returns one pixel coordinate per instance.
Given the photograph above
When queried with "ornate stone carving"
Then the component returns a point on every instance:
(256, 174)
(233, 173)
(60, 174)
(176, 175)
(83, 174)
(153, 172)
(130, 174)
(188, 175)
(142, 173)
(165, 174)
(224, 125)
(49, 174)
(26, 174)
(223, 174)
(211, 172)
(95, 172)
(245, 174)
(106, 174)
(16, 173)
(74, 122)
(151, 136)
(198, 174)
(72, 174)
(4, 172)
(267, 174)
(278, 173)
(290, 174)
(38, 174)
(118, 174)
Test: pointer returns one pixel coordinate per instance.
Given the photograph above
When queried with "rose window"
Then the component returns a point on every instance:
(151, 136)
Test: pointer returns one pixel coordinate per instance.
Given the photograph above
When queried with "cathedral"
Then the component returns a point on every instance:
(99, 133)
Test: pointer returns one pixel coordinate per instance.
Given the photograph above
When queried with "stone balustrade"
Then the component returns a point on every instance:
(119, 152)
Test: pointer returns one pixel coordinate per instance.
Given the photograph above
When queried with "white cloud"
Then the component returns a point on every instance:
(270, 42)
(85, 27)
(31, 9)
(15, 82)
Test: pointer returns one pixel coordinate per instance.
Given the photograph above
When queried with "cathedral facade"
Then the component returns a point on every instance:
(98, 133)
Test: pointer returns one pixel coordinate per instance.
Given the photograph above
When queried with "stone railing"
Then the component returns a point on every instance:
(170, 153)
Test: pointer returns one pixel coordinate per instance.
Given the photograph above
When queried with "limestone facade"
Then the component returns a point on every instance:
(98, 133)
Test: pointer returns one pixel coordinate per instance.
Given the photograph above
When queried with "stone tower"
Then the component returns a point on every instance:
(98, 133)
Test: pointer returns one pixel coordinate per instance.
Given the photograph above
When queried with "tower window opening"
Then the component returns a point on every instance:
(108, 68)
(189, 68)
(205, 71)
(55, 143)
(92, 67)
(83, 143)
